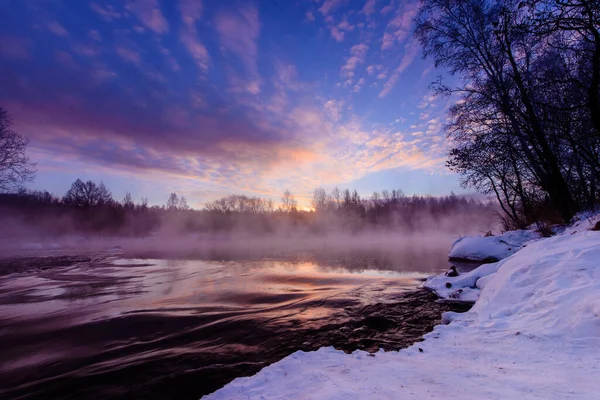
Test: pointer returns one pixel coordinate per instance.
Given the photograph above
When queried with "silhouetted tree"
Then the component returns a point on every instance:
(15, 166)
(528, 98)
(87, 194)
(143, 204)
(128, 202)
(172, 202)
(320, 199)
(289, 202)
(183, 205)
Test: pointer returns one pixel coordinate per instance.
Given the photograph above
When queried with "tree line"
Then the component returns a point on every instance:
(526, 124)
(89, 207)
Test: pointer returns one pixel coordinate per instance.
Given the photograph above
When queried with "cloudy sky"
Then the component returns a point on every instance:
(213, 97)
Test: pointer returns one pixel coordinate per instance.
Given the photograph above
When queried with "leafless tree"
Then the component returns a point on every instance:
(173, 202)
(183, 205)
(143, 205)
(320, 199)
(128, 202)
(15, 166)
(240, 204)
(336, 195)
(87, 194)
(289, 202)
(526, 125)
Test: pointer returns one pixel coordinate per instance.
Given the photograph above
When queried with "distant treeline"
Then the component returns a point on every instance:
(89, 207)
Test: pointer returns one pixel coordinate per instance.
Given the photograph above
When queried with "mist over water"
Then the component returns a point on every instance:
(190, 234)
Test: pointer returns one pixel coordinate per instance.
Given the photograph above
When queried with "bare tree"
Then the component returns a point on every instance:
(173, 202)
(143, 205)
(319, 200)
(240, 204)
(289, 202)
(128, 201)
(529, 98)
(15, 166)
(336, 195)
(183, 205)
(87, 194)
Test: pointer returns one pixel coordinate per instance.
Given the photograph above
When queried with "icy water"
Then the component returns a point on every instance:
(115, 327)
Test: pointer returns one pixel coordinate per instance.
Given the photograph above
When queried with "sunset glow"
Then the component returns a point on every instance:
(212, 98)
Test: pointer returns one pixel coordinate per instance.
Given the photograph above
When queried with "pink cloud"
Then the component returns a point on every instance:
(387, 9)
(359, 85)
(15, 48)
(94, 34)
(399, 27)
(329, 6)
(346, 26)
(129, 55)
(57, 29)
(238, 33)
(411, 50)
(337, 34)
(149, 13)
(196, 49)
(173, 64)
(191, 12)
(100, 72)
(369, 7)
(108, 13)
(358, 53)
(65, 59)
(84, 50)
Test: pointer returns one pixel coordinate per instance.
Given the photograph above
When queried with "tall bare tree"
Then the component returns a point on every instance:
(320, 200)
(289, 202)
(87, 194)
(15, 167)
(173, 202)
(524, 126)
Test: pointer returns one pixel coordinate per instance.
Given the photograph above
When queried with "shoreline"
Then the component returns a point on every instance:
(532, 333)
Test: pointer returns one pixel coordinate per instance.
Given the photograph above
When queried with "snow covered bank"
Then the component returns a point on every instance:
(467, 287)
(464, 287)
(490, 248)
(534, 333)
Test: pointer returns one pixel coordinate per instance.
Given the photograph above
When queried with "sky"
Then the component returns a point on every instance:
(208, 98)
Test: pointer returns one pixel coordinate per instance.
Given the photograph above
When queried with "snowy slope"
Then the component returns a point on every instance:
(490, 248)
(534, 333)
(465, 287)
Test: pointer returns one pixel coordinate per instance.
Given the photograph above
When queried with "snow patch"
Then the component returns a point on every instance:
(491, 248)
(463, 287)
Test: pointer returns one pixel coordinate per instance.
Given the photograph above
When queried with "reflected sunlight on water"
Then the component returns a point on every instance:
(91, 319)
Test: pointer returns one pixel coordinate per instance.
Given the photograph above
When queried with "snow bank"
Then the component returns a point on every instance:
(490, 248)
(467, 287)
(549, 289)
(534, 333)
(462, 288)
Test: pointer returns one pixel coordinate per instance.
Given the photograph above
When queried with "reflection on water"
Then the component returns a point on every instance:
(80, 326)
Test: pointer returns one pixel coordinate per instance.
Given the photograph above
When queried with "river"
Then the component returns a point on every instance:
(112, 326)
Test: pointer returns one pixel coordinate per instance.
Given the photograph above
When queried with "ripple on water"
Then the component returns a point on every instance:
(137, 327)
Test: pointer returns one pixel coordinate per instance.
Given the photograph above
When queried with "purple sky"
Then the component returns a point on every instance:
(208, 98)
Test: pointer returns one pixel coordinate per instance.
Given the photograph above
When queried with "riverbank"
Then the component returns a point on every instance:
(533, 333)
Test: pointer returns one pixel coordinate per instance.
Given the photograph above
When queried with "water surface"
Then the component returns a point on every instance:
(112, 326)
